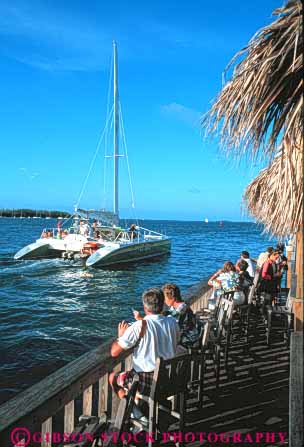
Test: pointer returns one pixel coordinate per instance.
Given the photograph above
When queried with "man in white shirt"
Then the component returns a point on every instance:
(246, 257)
(154, 336)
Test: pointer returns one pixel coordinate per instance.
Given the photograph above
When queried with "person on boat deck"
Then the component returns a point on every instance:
(83, 228)
(224, 280)
(49, 233)
(154, 336)
(59, 223)
(44, 234)
(246, 257)
(270, 275)
(96, 234)
(132, 232)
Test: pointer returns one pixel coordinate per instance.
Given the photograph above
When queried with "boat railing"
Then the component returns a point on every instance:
(80, 387)
(149, 231)
(126, 236)
(57, 233)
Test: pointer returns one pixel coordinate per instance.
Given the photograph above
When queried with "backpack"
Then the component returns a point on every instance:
(191, 329)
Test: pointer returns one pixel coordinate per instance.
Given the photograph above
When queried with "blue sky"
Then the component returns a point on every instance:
(54, 61)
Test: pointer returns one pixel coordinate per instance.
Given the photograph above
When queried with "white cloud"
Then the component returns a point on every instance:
(182, 113)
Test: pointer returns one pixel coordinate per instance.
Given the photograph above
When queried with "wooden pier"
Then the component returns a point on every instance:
(253, 392)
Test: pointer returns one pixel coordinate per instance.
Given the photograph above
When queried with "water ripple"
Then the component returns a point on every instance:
(51, 311)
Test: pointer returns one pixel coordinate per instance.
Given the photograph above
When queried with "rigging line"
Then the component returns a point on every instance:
(104, 164)
(127, 158)
(93, 161)
(107, 133)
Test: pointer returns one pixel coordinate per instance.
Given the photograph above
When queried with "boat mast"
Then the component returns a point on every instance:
(116, 131)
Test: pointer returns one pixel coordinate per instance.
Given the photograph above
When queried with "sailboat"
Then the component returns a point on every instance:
(101, 243)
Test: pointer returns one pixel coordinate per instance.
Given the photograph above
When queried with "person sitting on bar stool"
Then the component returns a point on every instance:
(191, 329)
(152, 337)
(224, 280)
(245, 256)
(270, 276)
(245, 280)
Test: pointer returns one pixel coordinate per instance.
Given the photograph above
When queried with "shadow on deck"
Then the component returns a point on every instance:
(252, 396)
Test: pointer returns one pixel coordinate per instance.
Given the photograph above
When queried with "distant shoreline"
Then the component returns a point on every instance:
(26, 212)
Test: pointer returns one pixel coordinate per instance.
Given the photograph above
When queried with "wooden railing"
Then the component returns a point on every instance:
(55, 400)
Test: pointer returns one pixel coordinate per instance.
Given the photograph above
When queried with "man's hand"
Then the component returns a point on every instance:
(122, 327)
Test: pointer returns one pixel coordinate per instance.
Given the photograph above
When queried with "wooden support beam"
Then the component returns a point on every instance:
(115, 399)
(87, 401)
(46, 433)
(129, 363)
(69, 417)
(103, 394)
(299, 263)
(289, 250)
(296, 391)
(298, 303)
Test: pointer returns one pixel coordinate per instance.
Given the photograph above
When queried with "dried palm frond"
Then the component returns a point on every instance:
(275, 197)
(263, 101)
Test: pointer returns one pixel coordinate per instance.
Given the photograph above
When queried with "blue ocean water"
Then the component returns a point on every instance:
(52, 311)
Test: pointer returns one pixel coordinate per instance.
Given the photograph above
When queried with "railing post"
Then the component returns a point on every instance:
(129, 362)
(115, 399)
(46, 433)
(289, 250)
(69, 417)
(87, 401)
(103, 394)
(296, 391)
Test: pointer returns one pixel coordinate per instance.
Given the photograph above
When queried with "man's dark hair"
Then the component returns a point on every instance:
(153, 300)
(243, 265)
(270, 250)
(173, 290)
(280, 246)
(245, 254)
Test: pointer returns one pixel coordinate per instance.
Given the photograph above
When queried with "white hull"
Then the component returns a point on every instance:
(52, 247)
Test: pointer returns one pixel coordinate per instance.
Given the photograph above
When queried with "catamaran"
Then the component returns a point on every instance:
(95, 236)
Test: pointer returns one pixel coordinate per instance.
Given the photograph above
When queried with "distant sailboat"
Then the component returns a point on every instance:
(206, 220)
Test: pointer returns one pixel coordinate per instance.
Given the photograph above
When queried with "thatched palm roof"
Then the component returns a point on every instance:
(275, 197)
(260, 113)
